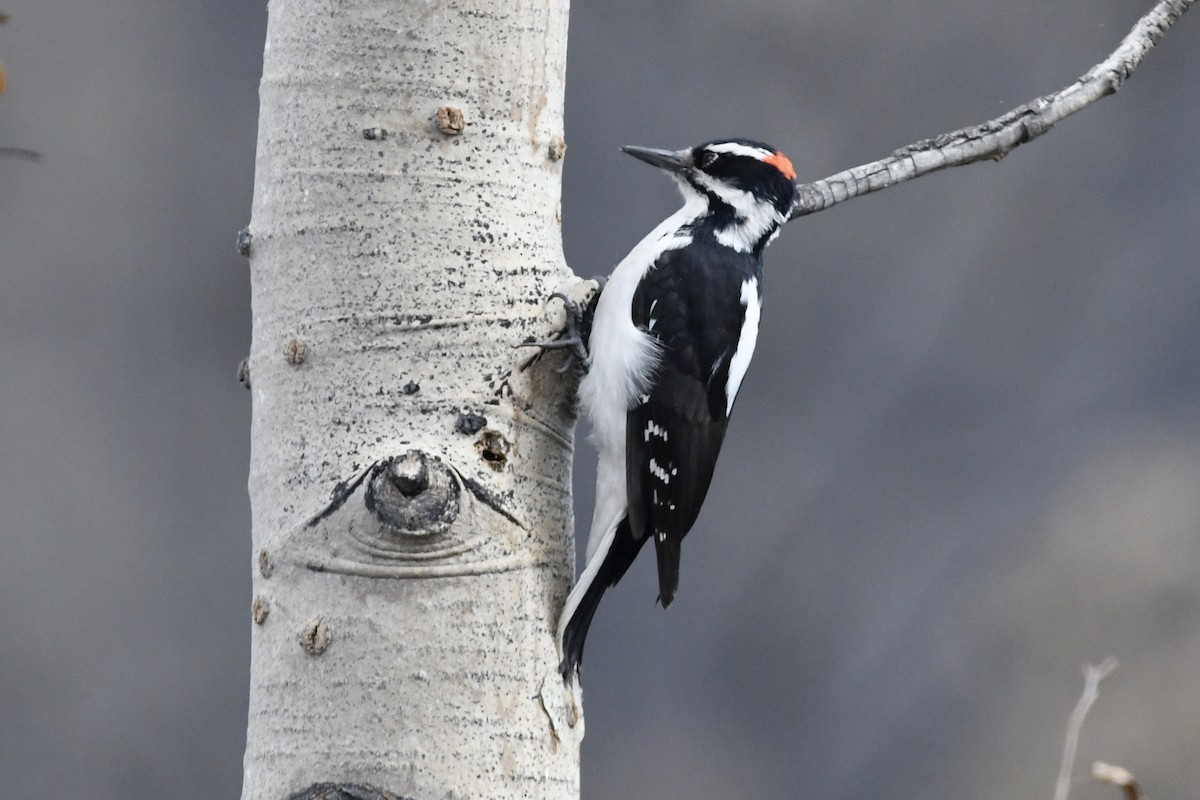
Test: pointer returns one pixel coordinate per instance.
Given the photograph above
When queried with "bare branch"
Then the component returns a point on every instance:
(994, 139)
(1091, 690)
(1118, 776)
(21, 152)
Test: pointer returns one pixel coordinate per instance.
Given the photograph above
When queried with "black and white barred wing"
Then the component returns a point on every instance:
(674, 433)
(673, 446)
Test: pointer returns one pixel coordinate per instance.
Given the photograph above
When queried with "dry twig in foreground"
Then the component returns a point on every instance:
(1091, 690)
(1117, 776)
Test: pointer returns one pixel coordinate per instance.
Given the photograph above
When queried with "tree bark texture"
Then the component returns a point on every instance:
(410, 484)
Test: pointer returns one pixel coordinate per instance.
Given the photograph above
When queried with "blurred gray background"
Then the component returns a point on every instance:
(965, 461)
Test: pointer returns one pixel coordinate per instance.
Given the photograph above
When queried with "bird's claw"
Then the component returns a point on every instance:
(572, 337)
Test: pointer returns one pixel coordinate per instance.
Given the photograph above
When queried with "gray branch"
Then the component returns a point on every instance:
(1091, 690)
(21, 152)
(994, 139)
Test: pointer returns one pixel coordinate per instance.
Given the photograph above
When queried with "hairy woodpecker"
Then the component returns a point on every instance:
(671, 338)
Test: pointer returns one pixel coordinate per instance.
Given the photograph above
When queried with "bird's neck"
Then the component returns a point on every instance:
(745, 228)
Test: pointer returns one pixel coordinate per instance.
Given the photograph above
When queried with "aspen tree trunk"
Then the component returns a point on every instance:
(410, 484)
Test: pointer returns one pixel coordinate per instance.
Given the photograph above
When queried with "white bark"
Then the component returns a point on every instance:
(410, 489)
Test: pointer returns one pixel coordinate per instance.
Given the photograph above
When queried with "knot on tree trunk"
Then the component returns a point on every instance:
(415, 515)
(413, 495)
(344, 791)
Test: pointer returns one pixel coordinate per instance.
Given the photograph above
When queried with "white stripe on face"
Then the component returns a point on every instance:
(754, 217)
(740, 150)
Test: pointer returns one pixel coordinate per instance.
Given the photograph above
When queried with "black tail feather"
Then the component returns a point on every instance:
(666, 549)
(616, 562)
(577, 628)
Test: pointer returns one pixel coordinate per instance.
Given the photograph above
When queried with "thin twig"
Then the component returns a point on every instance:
(994, 139)
(1118, 776)
(21, 152)
(1091, 690)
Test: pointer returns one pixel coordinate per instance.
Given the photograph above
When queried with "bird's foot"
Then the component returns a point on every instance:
(576, 329)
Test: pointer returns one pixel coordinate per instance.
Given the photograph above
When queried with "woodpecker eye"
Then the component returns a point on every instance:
(707, 159)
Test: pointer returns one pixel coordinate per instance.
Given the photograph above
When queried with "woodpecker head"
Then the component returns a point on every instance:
(748, 186)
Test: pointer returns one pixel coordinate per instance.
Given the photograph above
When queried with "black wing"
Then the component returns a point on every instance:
(674, 434)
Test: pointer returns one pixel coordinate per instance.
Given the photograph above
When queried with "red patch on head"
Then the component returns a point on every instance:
(780, 162)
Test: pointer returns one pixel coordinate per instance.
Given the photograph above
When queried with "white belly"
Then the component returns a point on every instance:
(621, 358)
(621, 362)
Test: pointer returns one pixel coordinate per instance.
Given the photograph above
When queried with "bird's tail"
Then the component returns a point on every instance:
(582, 605)
(608, 564)
(666, 549)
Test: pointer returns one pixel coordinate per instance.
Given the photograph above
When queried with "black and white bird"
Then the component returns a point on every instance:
(671, 338)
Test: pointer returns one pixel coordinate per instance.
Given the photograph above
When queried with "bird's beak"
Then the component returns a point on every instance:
(670, 160)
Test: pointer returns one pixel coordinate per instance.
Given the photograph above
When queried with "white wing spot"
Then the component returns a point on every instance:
(654, 429)
(662, 536)
(659, 472)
